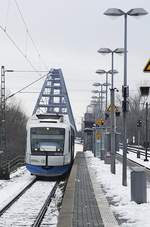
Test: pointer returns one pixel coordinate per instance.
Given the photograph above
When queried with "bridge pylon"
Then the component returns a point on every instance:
(53, 97)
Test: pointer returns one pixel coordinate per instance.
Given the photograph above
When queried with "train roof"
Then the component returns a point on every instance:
(58, 120)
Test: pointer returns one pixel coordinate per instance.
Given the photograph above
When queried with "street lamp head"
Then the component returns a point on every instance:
(95, 91)
(96, 84)
(137, 12)
(103, 92)
(132, 12)
(94, 97)
(113, 72)
(114, 12)
(93, 102)
(106, 84)
(108, 51)
(104, 51)
(102, 97)
(119, 51)
(100, 71)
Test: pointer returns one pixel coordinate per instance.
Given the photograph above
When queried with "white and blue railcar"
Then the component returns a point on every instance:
(50, 145)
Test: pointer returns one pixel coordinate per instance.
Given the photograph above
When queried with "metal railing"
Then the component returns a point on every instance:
(13, 164)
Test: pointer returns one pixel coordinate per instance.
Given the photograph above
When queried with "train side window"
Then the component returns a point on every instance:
(72, 140)
(69, 142)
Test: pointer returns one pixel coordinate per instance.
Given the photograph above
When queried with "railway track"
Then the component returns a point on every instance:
(43, 210)
(8, 205)
(134, 149)
(29, 207)
(131, 163)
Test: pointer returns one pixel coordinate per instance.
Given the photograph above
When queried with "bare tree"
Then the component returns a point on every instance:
(15, 131)
(136, 113)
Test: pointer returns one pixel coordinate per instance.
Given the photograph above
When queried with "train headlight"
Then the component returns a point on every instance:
(59, 149)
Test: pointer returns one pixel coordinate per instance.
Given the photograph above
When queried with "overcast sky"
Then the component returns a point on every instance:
(68, 34)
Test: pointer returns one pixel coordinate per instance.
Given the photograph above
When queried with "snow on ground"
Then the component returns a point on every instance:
(10, 188)
(78, 147)
(133, 157)
(51, 216)
(18, 180)
(132, 214)
(26, 209)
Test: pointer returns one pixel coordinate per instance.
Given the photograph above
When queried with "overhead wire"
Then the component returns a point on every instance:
(29, 34)
(26, 43)
(23, 54)
(4, 29)
(72, 90)
(7, 12)
(30, 71)
(19, 91)
(19, 49)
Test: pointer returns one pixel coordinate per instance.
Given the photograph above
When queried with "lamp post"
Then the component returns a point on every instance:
(106, 84)
(96, 102)
(125, 89)
(101, 72)
(99, 122)
(112, 97)
(100, 96)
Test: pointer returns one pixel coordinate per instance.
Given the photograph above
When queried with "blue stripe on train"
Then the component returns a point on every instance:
(48, 171)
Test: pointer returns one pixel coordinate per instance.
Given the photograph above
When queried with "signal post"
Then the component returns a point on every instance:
(99, 138)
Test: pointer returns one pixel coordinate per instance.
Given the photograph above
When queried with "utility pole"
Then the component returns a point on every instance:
(4, 174)
(112, 97)
(3, 126)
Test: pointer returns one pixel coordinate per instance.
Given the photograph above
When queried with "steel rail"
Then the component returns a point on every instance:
(133, 161)
(44, 208)
(133, 149)
(8, 205)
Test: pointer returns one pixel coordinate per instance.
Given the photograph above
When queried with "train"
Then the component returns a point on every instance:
(49, 145)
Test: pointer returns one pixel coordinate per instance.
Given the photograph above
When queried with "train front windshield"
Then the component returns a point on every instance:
(50, 140)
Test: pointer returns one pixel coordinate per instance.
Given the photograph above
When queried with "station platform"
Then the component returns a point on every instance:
(84, 203)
